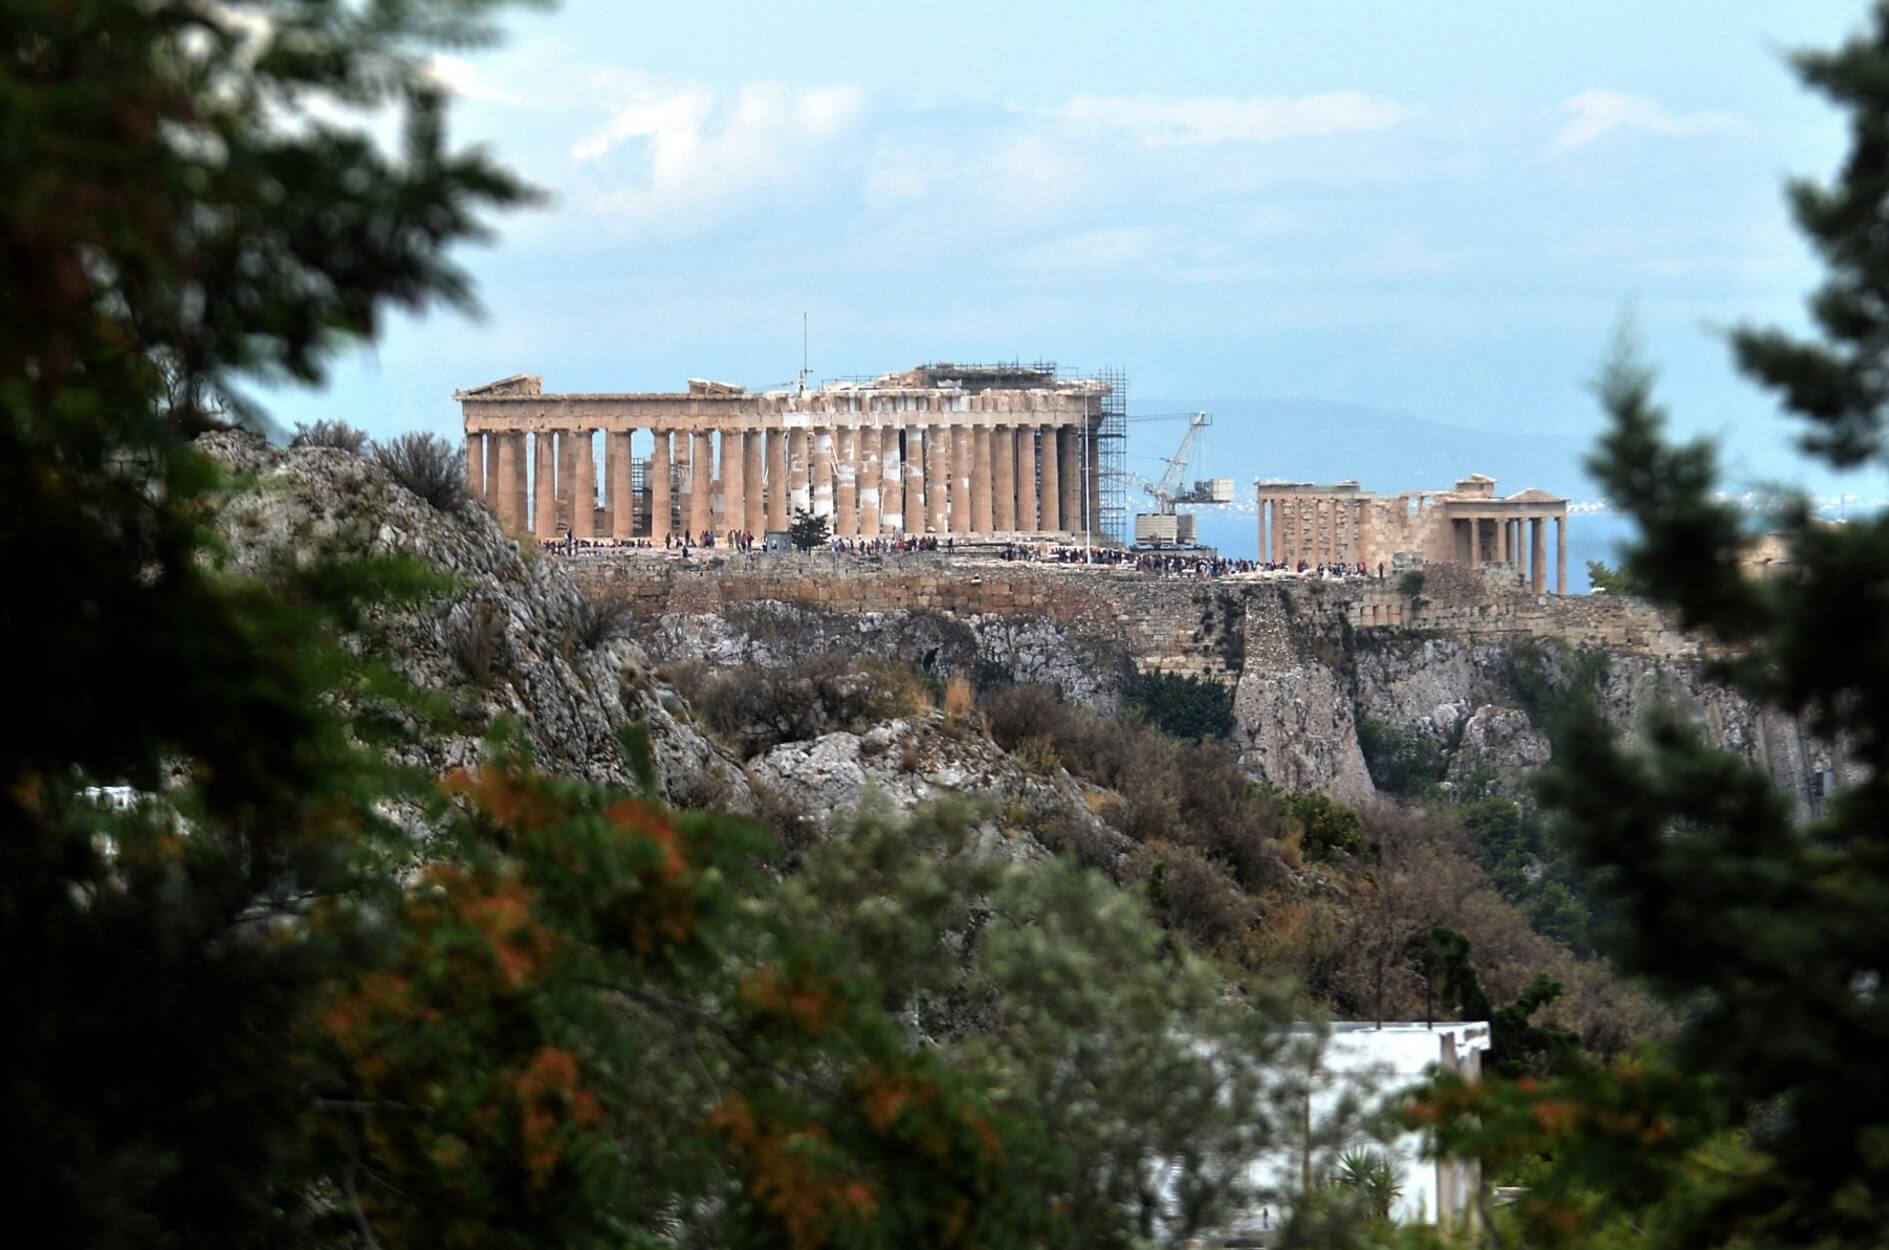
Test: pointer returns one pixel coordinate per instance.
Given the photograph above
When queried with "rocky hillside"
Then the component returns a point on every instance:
(507, 640)
(798, 716)
(1310, 691)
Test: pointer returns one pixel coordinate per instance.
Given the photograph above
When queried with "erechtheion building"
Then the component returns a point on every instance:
(1468, 524)
(974, 452)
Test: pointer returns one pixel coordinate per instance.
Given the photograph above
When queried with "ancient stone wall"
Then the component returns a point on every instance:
(1184, 625)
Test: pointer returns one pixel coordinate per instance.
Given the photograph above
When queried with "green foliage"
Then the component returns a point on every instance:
(1530, 870)
(1188, 793)
(1604, 577)
(1764, 1121)
(1152, 1093)
(1328, 829)
(1191, 708)
(1410, 585)
(1404, 762)
(1373, 1176)
(1553, 682)
(807, 531)
(163, 241)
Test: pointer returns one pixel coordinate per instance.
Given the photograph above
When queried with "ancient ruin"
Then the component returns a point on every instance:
(971, 452)
(1467, 524)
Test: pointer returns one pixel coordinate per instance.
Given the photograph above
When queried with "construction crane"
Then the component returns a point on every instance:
(1163, 527)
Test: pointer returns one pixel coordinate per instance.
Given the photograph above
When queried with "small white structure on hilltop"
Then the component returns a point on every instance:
(1361, 1065)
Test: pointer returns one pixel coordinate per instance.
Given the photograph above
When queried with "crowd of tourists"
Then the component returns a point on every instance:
(1158, 563)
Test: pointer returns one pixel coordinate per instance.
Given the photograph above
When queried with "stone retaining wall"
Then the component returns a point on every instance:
(1185, 625)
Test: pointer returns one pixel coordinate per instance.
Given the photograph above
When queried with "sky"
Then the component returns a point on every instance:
(1440, 210)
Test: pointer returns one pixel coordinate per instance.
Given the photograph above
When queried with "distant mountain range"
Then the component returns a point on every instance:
(1316, 440)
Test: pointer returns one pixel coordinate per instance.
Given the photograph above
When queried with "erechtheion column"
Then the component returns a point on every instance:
(1003, 479)
(1561, 555)
(1049, 494)
(544, 507)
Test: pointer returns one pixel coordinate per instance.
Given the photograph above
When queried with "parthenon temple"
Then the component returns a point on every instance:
(973, 452)
(1467, 524)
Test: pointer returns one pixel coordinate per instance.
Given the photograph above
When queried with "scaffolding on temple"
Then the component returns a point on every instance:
(1111, 455)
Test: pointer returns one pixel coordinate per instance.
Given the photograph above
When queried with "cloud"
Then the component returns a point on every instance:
(1169, 121)
(460, 78)
(1107, 248)
(1594, 114)
(687, 151)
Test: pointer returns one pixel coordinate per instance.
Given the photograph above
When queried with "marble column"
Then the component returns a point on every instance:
(1537, 554)
(912, 467)
(1003, 479)
(701, 484)
(937, 466)
(1093, 483)
(1067, 455)
(507, 467)
(1260, 530)
(981, 484)
(1502, 541)
(962, 455)
(892, 486)
(822, 473)
(800, 473)
(1049, 491)
(583, 484)
(846, 482)
(734, 480)
(754, 504)
(1026, 479)
(778, 487)
(1561, 555)
(622, 505)
(871, 440)
(1475, 542)
(544, 509)
(660, 480)
(567, 474)
(475, 465)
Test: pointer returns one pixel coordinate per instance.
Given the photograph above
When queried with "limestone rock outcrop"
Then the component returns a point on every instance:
(1295, 728)
(1022, 812)
(518, 612)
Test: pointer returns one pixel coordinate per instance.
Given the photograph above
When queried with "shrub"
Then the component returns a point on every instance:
(1330, 830)
(1192, 897)
(427, 465)
(601, 621)
(1193, 708)
(755, 709)
(1404, 762)
(1410, 585)
(337, 434)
